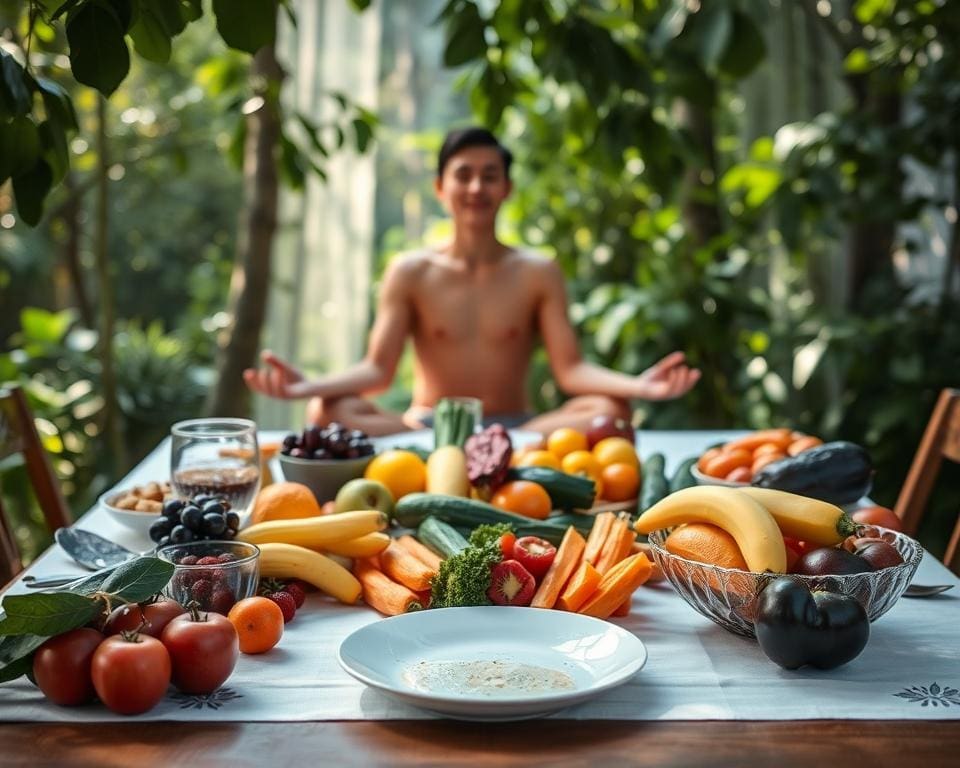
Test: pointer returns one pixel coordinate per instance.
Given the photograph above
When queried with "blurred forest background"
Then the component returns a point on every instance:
(769, 185)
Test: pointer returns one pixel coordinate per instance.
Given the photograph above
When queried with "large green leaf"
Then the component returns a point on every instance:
(30, 190)
(53, 141)
(46, 613)
(98, 53)
(465, 41)
(715, 26)
(58, 104)
(150, 34)
(16, 652)
(246, 25)
(14, 94)
(746, 49)
(20, 147)
(138, 579)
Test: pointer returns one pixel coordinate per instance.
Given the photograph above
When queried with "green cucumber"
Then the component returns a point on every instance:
(442, 539)
(583, 523)
(683, 477)
(414, 508)
(654, 481)
(566, 491)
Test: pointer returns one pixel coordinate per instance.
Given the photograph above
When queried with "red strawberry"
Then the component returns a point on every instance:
(296, 592)
(286, 602)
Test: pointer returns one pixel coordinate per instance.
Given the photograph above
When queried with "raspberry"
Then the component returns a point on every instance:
(296, 592)
(286, 602)
(223, 601)
(226, 557)
(209, 560)
(188, 560)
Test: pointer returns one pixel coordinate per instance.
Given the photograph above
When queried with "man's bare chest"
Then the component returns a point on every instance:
(478, 315)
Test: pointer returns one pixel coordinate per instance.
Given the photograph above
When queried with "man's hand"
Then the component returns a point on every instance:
(667, 378)
(277, 379)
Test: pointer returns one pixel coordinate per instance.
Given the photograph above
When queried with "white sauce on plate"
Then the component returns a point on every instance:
(492, 679)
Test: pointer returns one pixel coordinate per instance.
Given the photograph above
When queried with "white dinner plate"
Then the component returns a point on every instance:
(492, 663)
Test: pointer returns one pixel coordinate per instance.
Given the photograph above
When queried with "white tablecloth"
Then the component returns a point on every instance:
(695, 671)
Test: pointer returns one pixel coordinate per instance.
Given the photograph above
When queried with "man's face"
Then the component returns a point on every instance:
(473, 185)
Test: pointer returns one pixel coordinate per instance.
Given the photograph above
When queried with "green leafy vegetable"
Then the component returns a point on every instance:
(487, 534)
(464, 578)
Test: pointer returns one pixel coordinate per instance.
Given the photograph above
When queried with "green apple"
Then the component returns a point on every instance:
(361, 493)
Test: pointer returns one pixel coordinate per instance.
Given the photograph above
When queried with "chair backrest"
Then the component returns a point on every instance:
(940, 441)
(18, 434)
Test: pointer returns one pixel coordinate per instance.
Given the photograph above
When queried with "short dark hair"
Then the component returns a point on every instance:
(462, 138)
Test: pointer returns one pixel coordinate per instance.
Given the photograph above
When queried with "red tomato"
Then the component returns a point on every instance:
(506, 544)
(534, 554)
(204, 648)
(153, 617)
(882, 516)
(131, 673)
(61, 666)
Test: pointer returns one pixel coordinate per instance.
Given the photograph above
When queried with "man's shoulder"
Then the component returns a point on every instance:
(409, 264)
(535, 262)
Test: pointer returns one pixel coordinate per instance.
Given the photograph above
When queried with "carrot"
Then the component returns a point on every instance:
(755, 439)
(382, 593)
(597, 536)
(623, 609)
(564, 563)
(617, 546)
(423, 554)
(403, 567)
(617, 585)
(581, 585)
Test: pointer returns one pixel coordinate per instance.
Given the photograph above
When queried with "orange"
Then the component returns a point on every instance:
(581, 463)
(705, 543)
(539, 458)
(523, 498)
(566, 440)
(259, 624)
(402, 472)
(284, 501)
(620, 482)
(615, 450)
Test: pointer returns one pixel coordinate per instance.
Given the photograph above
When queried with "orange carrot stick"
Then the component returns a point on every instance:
(564, 563)
(423, 554)
(382, 593)
(617, 585)
(581, 586)
(403, 567)
(613, 548)
(623, 609)
(597, 536)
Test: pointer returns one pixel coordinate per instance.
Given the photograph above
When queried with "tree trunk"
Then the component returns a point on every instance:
(112, 417)
(71, 251)
(700, 213)
(258, 223)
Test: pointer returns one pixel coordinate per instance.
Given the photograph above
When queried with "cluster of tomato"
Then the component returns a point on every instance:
(141, 650)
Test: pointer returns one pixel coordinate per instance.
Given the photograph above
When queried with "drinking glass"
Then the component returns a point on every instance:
(473, 406)
(218, 457)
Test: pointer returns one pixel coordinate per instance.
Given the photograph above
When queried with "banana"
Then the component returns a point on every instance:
(811, 520)
(287, 561)
(362, 546)
(750, 524)
(316, 532)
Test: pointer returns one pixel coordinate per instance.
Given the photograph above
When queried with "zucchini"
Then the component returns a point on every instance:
(443, 539)
(683, 477)
(654, 481)
(566, 491)
(583, 523)
(414, 508)
(838, 472)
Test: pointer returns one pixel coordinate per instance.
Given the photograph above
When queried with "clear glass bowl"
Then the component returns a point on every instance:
(729, 597)
(215, 587)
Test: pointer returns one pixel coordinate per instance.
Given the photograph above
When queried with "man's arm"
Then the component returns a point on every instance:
(373, 373)
(666, 379)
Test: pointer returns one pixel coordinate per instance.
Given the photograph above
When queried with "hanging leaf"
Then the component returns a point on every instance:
(98, 53)
(63, 8)
(138, 579)
(14, 94)
(47, 613)
(363, 132)
(715, 27)
(30, 190)
(291, 163)
(246, 25)
(21, 134)
(58, 104)
(746, 50)
(360, 5)
(53, 141)
(150, 34)
(465, 41)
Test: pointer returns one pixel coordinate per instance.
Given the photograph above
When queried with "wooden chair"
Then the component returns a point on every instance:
(941, 440)
(18, 434)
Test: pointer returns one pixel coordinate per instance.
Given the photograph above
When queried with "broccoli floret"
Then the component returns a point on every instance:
(484, 535)
(464, 578)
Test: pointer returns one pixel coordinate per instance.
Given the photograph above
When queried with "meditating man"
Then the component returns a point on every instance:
(474, 309)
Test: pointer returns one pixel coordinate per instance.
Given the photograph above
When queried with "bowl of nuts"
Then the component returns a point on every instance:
(136, 508)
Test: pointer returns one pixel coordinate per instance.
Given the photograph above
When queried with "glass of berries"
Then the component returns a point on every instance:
(214, 574)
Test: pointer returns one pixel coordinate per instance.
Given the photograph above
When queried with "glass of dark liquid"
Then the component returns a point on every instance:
(217, 457)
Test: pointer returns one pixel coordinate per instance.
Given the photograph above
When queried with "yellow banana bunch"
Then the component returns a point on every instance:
(750, 524)
(316, 532)
(362, 546)
(799, 517)
(287, 561)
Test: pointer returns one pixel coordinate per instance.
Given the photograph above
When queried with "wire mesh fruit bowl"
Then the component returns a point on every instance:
(729, 596)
